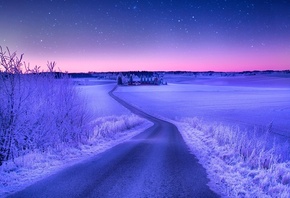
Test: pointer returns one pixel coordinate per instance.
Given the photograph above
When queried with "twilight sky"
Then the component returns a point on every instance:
(111, 35)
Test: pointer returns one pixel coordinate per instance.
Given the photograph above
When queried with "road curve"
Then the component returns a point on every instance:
(155, 163)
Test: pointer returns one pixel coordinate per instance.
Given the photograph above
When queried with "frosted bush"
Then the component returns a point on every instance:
(38, 110)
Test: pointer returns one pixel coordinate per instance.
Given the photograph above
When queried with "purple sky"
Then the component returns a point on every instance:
(108, 35)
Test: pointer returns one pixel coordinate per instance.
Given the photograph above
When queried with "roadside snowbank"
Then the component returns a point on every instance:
(109, 131)
(238, 164)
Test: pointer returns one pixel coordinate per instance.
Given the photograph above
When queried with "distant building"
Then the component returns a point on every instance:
(140, 78)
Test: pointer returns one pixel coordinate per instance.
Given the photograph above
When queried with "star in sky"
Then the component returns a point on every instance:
(156, 35)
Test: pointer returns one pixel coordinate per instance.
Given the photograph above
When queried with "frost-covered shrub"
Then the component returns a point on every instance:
(38, 110)
(62, 113)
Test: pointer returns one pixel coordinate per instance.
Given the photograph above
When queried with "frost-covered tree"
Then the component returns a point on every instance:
(38, 110)
(10, 100)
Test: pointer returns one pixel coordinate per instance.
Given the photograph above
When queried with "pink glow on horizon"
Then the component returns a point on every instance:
(175, 35)
(172, 60)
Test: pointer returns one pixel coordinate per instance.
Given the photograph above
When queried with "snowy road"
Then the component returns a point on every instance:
(155, 163)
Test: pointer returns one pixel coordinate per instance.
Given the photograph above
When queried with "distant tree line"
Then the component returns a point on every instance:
(194, 73)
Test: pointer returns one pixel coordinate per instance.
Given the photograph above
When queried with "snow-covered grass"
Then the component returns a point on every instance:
(108, 127)
(239, 163)
(108, 132)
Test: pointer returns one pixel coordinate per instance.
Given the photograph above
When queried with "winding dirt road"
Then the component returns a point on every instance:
(155, 163)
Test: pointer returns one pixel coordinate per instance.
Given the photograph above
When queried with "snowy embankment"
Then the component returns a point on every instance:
(239, 164)
(235, 135)
(112, 124)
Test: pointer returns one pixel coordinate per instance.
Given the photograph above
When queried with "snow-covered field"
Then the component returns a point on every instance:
(113, 123)
(244, 100)
(238, 127)
(99, 101)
